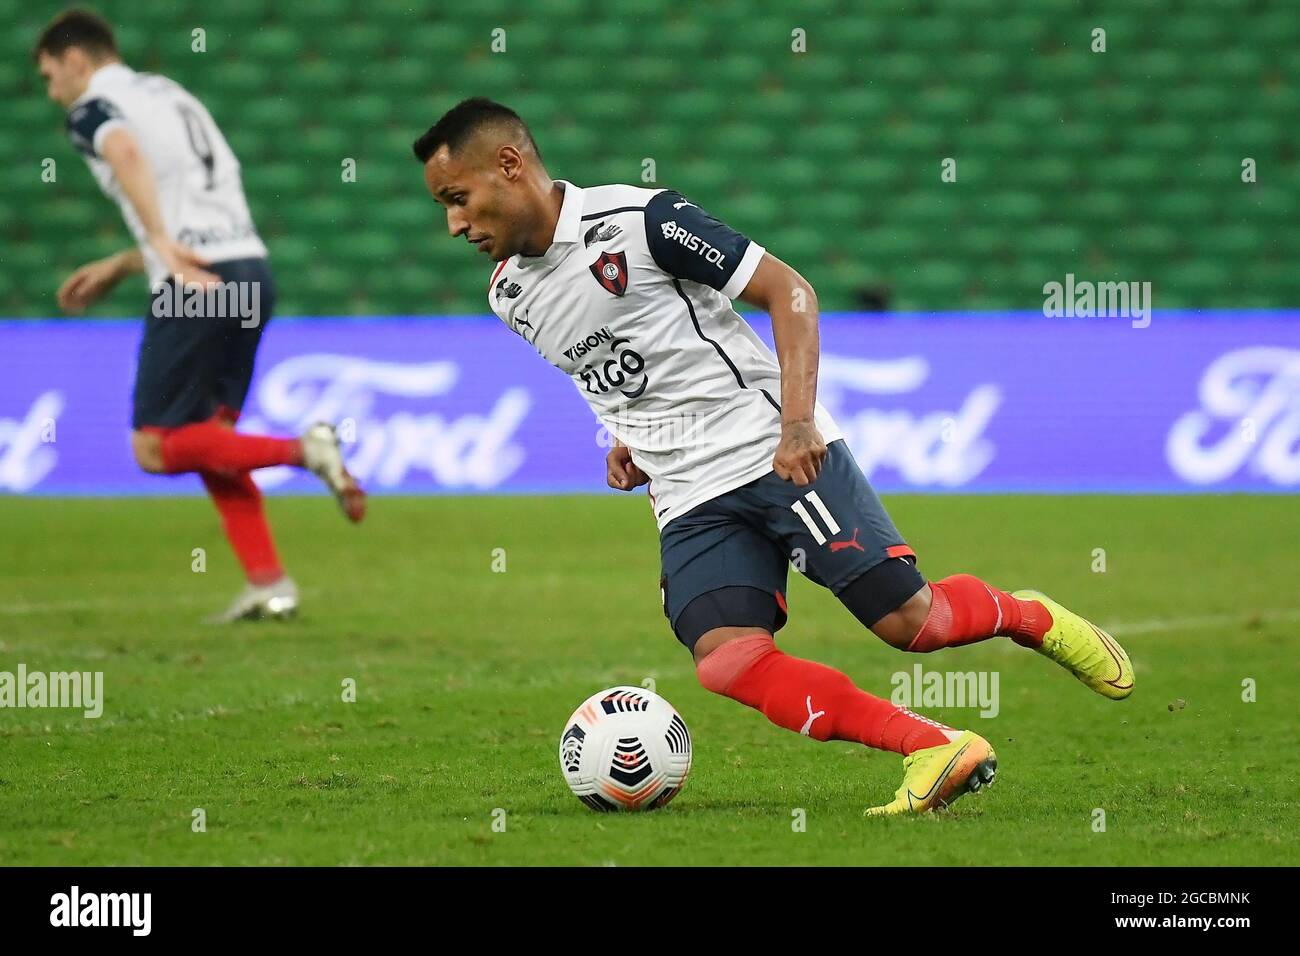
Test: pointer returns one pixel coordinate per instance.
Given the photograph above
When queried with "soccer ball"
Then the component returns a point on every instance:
(625, 748)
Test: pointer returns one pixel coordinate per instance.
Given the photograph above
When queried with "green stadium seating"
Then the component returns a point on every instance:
(1123, 165)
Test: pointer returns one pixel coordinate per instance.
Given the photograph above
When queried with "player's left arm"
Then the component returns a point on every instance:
(787, 297)
(95, 279)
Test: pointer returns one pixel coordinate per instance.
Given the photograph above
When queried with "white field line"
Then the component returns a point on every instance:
(101, 604)
(122, 604)
(1118, 629)
(1240, 620)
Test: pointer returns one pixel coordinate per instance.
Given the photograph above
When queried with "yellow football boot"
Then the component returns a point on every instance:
(1084, 649)
(936, 776)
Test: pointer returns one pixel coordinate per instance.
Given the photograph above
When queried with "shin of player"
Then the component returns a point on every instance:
(807, 697)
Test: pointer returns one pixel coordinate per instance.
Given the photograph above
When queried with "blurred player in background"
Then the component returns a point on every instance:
(627, 290)
(156, 151)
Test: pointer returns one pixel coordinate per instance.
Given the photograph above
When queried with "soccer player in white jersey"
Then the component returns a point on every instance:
(156, 151)
(628, 291)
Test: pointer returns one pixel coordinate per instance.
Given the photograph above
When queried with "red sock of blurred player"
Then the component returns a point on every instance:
(212, 446)
(963, 610)
(239, 500)
(813, 699)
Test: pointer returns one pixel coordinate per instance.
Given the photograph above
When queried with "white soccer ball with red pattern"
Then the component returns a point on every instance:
(625, 748)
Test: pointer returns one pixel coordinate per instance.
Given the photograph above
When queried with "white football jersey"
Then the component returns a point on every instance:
(200, 193)
(632, 301)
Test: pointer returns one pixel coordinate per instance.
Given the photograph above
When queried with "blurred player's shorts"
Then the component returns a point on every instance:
(196, 356)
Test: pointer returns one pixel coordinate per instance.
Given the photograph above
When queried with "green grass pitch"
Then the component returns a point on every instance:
(465, 676)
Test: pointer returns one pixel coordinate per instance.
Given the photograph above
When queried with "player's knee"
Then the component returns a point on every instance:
(903, 625)
(147, 448)
(720, 662)
(892, 600)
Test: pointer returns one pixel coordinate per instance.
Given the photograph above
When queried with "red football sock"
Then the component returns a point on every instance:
(963, 610)
(210, 446)
(811, 698)
(240, 502)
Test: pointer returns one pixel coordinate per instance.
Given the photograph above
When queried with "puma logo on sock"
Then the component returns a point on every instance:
(811, 716)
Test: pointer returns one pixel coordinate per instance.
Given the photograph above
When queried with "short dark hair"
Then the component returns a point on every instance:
(79, 28)
(465, 119)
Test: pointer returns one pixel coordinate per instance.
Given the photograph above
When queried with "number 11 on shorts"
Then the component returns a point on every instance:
(815, 500)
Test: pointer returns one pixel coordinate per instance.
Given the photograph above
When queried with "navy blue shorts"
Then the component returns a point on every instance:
(192, 366)
(834, 530)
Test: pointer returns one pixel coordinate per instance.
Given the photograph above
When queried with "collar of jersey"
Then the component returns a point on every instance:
(104, 75)
(569, 226)
(568, 229)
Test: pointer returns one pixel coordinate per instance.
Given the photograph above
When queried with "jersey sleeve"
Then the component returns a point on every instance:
(89, 122)
(686, 242)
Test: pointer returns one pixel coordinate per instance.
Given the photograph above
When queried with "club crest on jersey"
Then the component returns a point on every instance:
(597, 234)
(610, 271)
(508, 291)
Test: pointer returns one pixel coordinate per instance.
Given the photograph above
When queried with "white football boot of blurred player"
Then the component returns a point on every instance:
(321, 456)
(259, 601)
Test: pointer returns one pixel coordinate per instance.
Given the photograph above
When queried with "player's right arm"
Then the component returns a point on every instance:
(131, 170)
